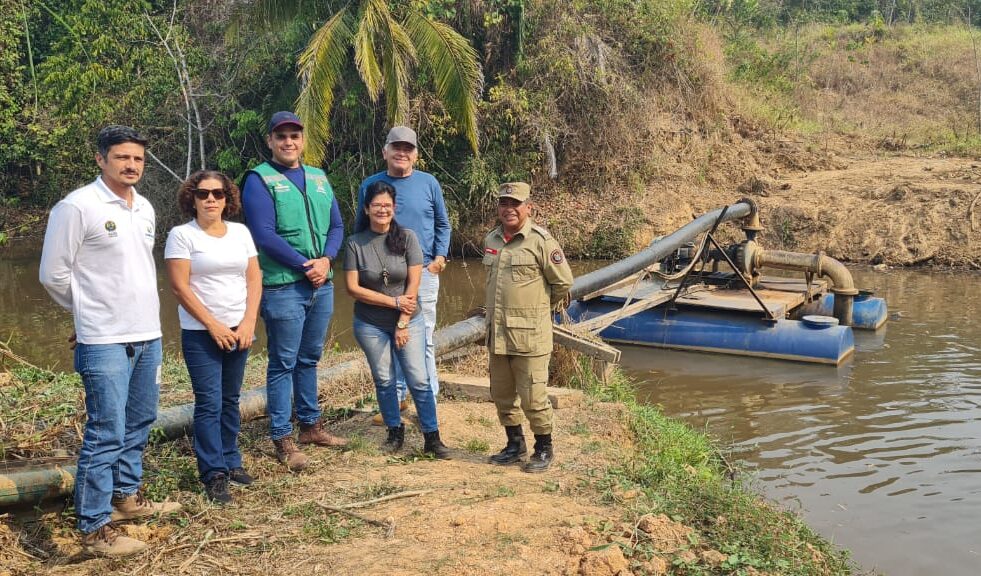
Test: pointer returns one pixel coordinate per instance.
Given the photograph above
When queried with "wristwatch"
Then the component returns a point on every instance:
(402, 324)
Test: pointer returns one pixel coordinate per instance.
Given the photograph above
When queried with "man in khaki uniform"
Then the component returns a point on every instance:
(527, 278)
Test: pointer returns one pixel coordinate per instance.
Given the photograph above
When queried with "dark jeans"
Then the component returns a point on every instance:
(216, 378)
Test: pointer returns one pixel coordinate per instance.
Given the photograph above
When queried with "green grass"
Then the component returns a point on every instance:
(40, 409)
(373, 490)
(476, 446)
(320, 524)
(170, 468)
(681, 473)
(503, 491)
(360, 444)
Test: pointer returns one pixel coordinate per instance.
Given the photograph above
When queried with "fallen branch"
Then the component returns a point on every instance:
(396, 496)
(184, 565)
(5, 351)
(152, 563)
(388, 524)
(970, 211)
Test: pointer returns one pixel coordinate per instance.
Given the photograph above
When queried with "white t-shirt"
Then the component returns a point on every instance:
(97, 262)
(218, 268)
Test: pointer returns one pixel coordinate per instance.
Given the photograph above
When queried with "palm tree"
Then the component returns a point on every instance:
(385, 51)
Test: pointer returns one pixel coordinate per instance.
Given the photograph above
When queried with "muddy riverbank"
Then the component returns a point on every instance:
(632, 492)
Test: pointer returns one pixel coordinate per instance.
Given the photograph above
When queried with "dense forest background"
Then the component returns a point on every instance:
(592, 101)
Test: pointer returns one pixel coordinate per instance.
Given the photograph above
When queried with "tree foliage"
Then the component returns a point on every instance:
(386, 48)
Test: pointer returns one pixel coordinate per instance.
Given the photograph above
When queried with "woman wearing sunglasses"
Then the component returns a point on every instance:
(214, 273)
(383, 269)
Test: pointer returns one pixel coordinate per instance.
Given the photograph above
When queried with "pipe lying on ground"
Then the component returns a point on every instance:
(31, 486)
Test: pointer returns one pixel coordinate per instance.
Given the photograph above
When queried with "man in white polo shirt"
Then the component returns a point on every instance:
(97, 262)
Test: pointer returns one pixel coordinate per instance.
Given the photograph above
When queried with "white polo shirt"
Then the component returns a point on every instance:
(97, 262)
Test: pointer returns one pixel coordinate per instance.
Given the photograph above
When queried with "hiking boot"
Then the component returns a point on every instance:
(107, 541)
(377, 419)
(515, 448)
(137, 506)
(315, 434)
(435, 447)
(240, 477)
(217, 489)
(287, 453)
(396, 437)
(541, 459)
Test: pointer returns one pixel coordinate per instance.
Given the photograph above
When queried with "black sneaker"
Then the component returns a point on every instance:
(217, 489)
(240, 477)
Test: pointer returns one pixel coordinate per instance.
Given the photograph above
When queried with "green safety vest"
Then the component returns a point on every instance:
(302, 219)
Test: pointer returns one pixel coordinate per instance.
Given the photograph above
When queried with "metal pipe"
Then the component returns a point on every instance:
(820, 264)
(599, 279)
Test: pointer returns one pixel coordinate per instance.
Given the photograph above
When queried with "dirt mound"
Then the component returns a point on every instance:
(898, 210)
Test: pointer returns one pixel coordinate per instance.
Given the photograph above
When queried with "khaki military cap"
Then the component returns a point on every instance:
(517, 190)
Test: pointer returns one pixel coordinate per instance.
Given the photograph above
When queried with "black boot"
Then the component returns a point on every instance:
(435, 446)
(396, 437)
(515, 449)
(542, 458)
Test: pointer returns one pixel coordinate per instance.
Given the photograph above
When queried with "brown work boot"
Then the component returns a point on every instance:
(137, 506)
(377, 419)
(290, 455)
(107, 541)
(315, 434)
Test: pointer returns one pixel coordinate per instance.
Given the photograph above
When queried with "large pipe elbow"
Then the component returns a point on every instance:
(843, 286)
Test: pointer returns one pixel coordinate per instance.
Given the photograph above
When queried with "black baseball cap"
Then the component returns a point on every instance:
(282, 119)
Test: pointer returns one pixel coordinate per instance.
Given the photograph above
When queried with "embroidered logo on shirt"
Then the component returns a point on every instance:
(490, 251)
(111, 228)
(556, 256)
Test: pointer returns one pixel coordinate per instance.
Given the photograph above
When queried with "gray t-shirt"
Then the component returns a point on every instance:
(366, 252)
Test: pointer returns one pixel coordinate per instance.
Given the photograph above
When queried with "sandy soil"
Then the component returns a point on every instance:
(895, 210)
(855, 204)
(472, 518)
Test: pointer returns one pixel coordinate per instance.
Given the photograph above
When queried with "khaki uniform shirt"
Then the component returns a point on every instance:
(527, 278)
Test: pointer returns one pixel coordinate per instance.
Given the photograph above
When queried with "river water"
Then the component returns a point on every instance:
(881, 455)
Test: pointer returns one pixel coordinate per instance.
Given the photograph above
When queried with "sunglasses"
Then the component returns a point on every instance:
(203, 193)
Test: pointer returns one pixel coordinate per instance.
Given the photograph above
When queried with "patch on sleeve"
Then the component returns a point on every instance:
(556, 256)
(490, 251)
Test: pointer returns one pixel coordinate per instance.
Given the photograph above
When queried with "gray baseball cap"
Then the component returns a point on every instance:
(401, 134)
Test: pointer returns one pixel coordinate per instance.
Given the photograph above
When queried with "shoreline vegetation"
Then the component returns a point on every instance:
(626, 117)
(634, 492)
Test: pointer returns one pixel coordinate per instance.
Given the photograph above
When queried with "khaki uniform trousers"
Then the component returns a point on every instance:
(524, 379)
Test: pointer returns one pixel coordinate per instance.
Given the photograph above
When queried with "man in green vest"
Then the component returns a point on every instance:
(295, 221)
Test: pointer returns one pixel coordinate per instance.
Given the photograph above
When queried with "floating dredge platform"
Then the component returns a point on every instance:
(714, 298)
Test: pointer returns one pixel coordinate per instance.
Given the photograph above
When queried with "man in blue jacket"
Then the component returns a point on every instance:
(419, 206)
(295, 221)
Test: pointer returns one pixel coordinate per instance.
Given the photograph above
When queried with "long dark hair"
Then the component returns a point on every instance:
(395, 240)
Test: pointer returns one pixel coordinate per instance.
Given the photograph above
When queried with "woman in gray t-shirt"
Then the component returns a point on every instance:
(383, 268)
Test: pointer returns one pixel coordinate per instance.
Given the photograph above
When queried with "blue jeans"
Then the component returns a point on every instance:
(296, 317)
(428, 293)
(121, 393)
(216, 378)
(379, 347)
